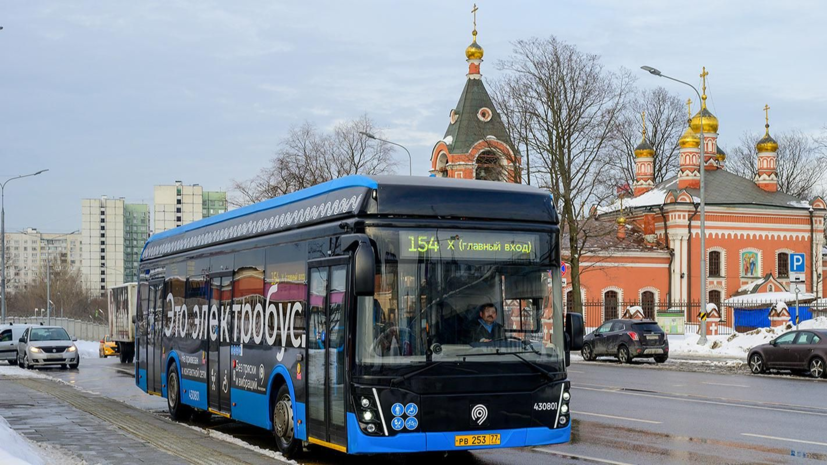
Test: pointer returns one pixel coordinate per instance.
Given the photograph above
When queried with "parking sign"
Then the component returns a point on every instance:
(797, 267)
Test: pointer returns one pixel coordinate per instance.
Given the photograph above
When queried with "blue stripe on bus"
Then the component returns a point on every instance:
(360, 443)
(319, 189)
(141, 381)
(250, 407)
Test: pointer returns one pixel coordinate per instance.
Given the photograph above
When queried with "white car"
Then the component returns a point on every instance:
(9, 335)
(47, 345)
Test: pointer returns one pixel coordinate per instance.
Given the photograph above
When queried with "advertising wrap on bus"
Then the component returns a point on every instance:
(319, 319)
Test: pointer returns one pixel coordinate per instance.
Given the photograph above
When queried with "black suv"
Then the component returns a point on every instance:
(627, 339)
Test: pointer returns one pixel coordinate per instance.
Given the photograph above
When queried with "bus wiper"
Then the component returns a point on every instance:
(540, 369)
(401, 379)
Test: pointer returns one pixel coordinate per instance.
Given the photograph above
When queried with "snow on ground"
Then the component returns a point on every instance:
(736, 345)
(17, 450)
(15, 371)
(88, 349)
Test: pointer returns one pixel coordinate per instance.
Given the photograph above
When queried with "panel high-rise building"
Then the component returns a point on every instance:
(27, 252)
(179, 204)
(113, 235)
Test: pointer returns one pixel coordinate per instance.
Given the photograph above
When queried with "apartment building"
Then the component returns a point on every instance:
(27, 253)
(179, 204)
(113, 234)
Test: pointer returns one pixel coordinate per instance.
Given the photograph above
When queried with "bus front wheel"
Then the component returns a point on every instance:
(283, 429)
(177, 410)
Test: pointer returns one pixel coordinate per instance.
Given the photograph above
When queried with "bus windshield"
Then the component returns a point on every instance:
(460, 296)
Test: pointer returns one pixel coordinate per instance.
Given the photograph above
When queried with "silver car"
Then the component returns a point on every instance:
(47, 345)
(9, 335)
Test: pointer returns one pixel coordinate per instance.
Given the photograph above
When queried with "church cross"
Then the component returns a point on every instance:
(689, 107)
(767, 114)
(474, 11)
(643, 119)
(703, 76)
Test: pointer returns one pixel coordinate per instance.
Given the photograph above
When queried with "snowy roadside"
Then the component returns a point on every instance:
(88, 349)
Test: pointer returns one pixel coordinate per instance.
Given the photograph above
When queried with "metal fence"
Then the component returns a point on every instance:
(83, 330)
(733, 319)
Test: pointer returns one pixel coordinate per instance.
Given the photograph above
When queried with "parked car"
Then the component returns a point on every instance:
(47, 345)
(627, 340)
(107, 347)
(803, 352)
(9, 334)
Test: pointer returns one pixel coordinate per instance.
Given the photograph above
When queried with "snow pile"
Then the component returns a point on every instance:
(88, 349)
(653, 197)
(17, 450)
(761, 298)
(738, 344)
(14, 371)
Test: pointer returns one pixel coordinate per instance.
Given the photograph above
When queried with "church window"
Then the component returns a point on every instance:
(570, 301)
(484, 115)
(647, 302)
(609, 305)
(715, 263)
(489, 167)
(783, 269)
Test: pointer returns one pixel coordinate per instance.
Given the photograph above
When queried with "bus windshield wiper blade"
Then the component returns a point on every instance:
(402, 378)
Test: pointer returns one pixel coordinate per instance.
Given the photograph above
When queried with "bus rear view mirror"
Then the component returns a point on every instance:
(575, 330)
(364, 269)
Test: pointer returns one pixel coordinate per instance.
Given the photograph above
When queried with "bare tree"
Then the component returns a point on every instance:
(665, 121)
(307, 157)
(800, 162)
(571, 104)
(67, 292)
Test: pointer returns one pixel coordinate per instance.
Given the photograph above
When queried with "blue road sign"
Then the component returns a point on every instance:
(397, 409)
(411, 423)
(797, 263)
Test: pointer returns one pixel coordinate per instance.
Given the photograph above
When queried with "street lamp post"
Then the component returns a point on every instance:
(655, 72)
(410, 160)
(3, 240)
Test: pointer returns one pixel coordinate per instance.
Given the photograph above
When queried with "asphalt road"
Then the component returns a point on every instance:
(636, 414)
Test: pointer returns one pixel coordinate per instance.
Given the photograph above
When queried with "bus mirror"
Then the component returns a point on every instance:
(364, 270)
(575, 330)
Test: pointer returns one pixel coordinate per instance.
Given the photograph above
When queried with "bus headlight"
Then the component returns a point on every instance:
(365, 402)
(564, 409)
(566, 396)
(563, 420)
(367, 416)
(371, 428)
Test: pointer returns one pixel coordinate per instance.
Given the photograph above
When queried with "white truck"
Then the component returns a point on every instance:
(122, 301)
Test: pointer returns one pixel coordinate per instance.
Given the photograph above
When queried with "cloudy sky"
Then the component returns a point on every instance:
(117, 96)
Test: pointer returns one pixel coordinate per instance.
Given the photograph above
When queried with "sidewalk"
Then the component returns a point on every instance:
(101, 430)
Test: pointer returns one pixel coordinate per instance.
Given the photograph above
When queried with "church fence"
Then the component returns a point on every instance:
(674, 317)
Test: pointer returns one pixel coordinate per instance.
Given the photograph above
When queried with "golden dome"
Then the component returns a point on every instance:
(474, 51)
(621, 220)
(689, 140)
(644, 149)
(767, 143)
(721, 155)
(710, 121)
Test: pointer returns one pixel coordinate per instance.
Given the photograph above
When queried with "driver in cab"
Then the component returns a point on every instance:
(486, 328)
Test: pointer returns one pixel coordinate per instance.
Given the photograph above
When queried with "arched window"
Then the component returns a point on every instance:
(783, 269)
(570, 301)
(647, 302)
(609, 305)
(489, 167)
(715, 263)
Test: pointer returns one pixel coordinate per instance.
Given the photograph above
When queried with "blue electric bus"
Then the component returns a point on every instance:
(349, 315)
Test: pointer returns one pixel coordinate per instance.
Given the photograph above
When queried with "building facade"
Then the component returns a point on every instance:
(27, 253)
(113, 234)
(179, 204)
(476, 144)
(751, 229)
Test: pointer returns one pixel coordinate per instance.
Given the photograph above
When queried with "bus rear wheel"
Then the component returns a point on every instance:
(177, 410)
(283, 429)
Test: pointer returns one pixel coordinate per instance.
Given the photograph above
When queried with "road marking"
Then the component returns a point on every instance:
(785, 439)
(580, 457)
(698, 401)
(616, 418)
(724, 384)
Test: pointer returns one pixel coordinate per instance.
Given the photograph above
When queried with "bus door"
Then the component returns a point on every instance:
(218, 355)
(155, 331)
(326, 387)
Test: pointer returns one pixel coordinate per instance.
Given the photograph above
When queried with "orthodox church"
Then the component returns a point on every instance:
(476, 144)
(649, 258)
